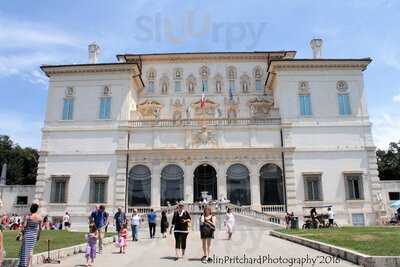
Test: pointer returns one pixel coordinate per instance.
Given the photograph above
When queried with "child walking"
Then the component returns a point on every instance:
(91, 239)
(123, 236)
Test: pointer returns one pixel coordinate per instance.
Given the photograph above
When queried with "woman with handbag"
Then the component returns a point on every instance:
(31, 233)
(207, 229)
(181, 223)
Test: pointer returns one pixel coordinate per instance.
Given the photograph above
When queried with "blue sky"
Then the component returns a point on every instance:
(57, 32)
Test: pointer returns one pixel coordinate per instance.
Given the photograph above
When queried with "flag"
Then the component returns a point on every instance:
(203, 98)
(230, 94)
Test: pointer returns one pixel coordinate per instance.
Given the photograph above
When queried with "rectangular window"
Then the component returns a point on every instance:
(305, 105)
(258, 85)
(22, 200)
(105, 108)
(98, 190)
(232, 85)
(354, 186)
(312, 188)
(178, 86)
(394, 195)
(358, 219)
(59, 189)
(344, 104)
(150, 87)
(204, 85)
(68, 109)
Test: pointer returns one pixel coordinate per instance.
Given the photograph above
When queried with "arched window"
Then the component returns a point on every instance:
(139, 186)
(238, 183)
(171, 184)
(271, 185)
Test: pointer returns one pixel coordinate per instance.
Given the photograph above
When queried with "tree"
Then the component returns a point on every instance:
(389, 162)
(21, 162)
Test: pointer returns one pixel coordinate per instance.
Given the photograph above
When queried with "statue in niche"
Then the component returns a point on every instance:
(188, 112)
(218, 87)
(220, 113)
(177, 110)
(232, 108)
(164, 88)
(191, 87)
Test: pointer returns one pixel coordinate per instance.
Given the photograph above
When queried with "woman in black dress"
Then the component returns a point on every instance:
(180, 223)
(164, 224)
(207, 229)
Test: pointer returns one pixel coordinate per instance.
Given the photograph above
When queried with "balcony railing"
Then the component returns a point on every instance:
(203, 122)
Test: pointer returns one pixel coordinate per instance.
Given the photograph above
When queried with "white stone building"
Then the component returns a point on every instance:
(273, 132)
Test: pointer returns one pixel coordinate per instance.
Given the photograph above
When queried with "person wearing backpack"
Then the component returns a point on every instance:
(207, 229)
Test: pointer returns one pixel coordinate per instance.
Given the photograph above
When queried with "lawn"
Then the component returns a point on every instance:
(59, 239)
(374, 241)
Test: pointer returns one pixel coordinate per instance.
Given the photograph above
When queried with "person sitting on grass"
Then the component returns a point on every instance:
(91, 239)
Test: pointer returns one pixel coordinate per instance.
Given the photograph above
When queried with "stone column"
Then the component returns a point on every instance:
(221, 180)
(188, 181)
(291, 194)
(120, 181)
(41, 181)
(156, 185)
(254, 186)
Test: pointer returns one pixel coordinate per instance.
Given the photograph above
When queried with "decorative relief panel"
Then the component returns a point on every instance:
(209, 110)
(260, 106)
(304, 88)
(204, 137)
(149, 110)
(342, 86)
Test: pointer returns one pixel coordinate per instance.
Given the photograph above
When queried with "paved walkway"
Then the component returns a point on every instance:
(250, 240)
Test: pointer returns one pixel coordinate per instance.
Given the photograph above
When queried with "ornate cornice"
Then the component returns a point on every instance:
(50, 70)
(211, 56)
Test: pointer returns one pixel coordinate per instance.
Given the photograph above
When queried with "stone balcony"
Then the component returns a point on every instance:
(193, 123)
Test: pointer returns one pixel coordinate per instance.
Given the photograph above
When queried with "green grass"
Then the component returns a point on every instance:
(59, 239)
(374, 241)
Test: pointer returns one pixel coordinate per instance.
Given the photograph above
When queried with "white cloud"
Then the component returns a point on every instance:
(22, 128)
(396, 98)
(386, 129)
(16, 34)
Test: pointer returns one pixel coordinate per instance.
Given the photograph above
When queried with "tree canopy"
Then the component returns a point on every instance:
(389, 162)
(21, 162)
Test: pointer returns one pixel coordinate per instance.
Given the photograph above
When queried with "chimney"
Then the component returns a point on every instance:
(94, 51)
(316, 46)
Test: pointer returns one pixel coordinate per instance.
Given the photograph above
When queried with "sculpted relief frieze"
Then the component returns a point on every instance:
(149, 110)
(204, 138)
(261, 106)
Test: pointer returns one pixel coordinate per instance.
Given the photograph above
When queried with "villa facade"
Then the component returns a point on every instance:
(261, 129)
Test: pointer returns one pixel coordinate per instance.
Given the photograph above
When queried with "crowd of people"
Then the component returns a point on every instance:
(181, 225)
(30, 227)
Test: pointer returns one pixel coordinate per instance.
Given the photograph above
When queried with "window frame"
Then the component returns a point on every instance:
(70, 115)
(303, 114)
(313, 177)
(348, 107)
(56, 179)
(360, 186)
(92, 194)
(107, 116)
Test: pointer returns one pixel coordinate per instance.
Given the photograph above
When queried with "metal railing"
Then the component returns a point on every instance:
(202, 122)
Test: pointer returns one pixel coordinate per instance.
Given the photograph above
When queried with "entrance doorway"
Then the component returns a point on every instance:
(205, 180)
